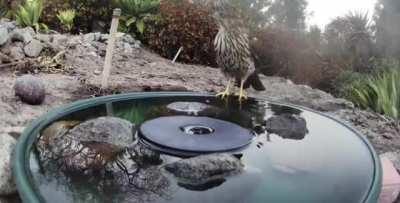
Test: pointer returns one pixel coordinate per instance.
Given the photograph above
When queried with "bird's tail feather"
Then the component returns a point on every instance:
(254, 81)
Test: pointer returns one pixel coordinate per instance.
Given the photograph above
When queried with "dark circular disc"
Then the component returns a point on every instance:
(195, 134)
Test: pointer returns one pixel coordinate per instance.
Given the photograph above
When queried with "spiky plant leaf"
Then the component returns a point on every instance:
(140, 26)
(67, 18)
(29, 14)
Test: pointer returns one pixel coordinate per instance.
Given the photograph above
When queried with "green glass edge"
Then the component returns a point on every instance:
(20, 164)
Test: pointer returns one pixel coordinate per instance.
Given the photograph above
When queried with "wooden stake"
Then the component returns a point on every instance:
(177, 55)
(110, 109)
(110, 48)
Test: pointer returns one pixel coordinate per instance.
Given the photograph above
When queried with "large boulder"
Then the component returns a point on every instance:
(86, 147)
(282, 90)
(30, 89)
(7, 184)
(24, 35)
(109, 130)
(203, 169)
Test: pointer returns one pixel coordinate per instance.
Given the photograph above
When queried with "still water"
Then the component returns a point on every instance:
(325, 163)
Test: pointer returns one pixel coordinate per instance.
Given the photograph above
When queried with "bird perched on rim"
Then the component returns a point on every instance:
(232, 46)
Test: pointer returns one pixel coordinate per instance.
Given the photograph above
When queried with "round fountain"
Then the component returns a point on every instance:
(188, 147)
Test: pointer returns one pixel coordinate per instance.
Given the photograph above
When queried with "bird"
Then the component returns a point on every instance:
(232, 46)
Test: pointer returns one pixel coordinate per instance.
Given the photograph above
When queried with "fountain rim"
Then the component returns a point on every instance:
(21, 166)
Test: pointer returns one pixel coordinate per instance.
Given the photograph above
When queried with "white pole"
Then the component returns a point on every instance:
(110, 48)
(177, 54)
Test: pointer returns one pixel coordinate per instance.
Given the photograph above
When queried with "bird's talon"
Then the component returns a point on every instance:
(242, 96)
(223, 95)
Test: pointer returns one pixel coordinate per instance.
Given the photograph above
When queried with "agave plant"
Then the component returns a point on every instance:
(136, 12)
(67, 18)
(29, 14)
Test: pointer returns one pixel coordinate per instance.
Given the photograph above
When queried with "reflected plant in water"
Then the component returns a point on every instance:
(135, 113)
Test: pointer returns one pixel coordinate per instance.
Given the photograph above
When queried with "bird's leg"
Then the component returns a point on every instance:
(242, 95)
(225, 93)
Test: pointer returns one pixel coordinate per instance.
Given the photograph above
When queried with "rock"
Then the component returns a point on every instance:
(17, 53)
(50, 144)
(30, 89)
(127, 48)
(287, 126)
(203, 169)
(85, 147)
(104, 38)
(33, 48)
(129, 39)
(14, 132)
(3, 36)
(279, 89)
(92, 37)
(377, 128)
(109, 130)
(59, 42)
(394, 157)
(24, 35)
(45, 38)
(9, 25)
(74, 41)
(7, 184)
(142, 184)
(143, 155)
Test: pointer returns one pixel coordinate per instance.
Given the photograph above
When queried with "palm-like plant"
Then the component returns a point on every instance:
(29, 14)
(136, 12)
(350, 40)
(67, 18)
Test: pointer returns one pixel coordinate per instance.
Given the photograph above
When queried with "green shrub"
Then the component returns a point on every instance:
(3, 9)
(345, 82)
(380, 90)
(8, 8)
(135, 14)
(29, 14)
(91, 15)
(66, 18)
(184, 25)
(281, 52)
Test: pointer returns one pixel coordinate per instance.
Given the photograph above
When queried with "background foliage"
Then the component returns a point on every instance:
(184, 25)
(354, 56)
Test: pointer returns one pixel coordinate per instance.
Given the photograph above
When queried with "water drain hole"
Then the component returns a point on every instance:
(197, 130)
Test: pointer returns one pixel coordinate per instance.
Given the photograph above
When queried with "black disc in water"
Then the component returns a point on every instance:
(195, 135)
